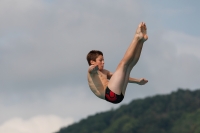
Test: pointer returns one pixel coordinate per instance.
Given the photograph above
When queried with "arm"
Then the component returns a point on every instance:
(141, 81)
(109, 74)
(93, 69)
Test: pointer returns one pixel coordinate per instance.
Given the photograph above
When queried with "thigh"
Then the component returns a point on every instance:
(119, 80)
(126, 79)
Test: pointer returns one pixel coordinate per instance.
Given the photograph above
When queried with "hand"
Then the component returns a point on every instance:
(93, 68)
(142, 81)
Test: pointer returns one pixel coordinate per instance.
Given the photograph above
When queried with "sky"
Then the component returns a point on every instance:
(43, 48)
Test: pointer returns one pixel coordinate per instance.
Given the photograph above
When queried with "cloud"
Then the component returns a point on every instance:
(36, 124)
(66, 101)
(184, 43)
(171, 60)
(43, 45)
(42, 42)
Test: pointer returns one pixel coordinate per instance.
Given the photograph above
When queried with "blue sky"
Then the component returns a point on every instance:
(178, 15)
(43, 48)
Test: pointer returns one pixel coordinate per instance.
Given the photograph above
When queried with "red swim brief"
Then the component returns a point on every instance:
(112, 97)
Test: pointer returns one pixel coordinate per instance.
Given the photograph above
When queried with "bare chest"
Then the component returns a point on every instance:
(98, 82)
(98, 79)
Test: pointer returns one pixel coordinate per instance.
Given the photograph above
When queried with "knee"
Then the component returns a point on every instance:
(123, 65)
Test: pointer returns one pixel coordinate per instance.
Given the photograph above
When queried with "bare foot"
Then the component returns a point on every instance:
(141, 32)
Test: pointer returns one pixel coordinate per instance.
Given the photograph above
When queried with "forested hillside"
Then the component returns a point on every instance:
(178, 112)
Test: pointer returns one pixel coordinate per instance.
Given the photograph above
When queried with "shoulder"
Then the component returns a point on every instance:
(105, 71)
(108, 73)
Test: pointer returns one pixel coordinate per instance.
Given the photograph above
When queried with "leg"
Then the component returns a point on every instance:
(134, 61)
(137, 56)
(120, 77)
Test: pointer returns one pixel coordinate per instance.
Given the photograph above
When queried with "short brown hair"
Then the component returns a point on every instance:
(92, 55)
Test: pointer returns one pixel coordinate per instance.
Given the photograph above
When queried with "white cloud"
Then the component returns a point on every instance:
(43, 47)
(37, 124)
(75, 101)
(184, 43)
(43, 43)
(171, 60)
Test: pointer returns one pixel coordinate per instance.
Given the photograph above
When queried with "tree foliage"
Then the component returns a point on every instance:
(178, 112)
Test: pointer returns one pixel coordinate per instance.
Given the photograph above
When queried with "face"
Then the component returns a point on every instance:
(99, 62)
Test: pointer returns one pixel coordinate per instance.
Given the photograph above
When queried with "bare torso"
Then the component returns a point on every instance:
(98, 83)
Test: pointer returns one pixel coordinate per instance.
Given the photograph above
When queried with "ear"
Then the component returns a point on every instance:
(92, 62)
